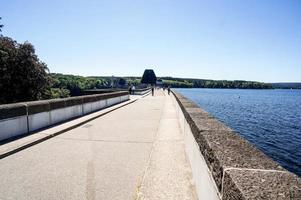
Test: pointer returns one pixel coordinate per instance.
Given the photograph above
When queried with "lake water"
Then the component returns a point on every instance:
(269, 119)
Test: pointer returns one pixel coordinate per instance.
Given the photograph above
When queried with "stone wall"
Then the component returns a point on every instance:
(24, 118)
(226, 166)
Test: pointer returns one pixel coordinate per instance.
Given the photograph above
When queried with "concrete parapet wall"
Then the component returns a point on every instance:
(226, 166)
(23, 118)
(13, 127)
(141, 91)
(38, 114)
(105, 91)
(13, 120)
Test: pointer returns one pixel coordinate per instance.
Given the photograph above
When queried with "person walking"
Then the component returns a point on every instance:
(168, 89)
(153, 90)
(130, 89)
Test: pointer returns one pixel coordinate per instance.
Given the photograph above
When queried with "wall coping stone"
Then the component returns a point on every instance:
(261, 184)
(74, 101)
(12, 110)
(56, 103)
(142, 89)
(90, 98)
(239, 169)
(111, 95)
(113, 90)
(102, 91)
(34, 107)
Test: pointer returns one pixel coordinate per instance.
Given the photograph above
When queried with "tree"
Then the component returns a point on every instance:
(23, 77)
(149, 77)
(1, 26)
(121, 81)
(134, 81)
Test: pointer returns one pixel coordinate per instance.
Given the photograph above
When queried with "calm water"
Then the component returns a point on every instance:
(269, 119)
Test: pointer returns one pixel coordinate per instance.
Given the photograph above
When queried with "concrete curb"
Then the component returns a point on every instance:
(45, 137)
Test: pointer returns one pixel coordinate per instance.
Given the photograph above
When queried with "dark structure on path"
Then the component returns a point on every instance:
(149, 77)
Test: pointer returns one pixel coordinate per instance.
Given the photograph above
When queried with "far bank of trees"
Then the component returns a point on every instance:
(203, 83)
(76, 85)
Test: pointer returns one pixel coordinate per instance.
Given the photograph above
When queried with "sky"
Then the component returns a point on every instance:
(257, 40)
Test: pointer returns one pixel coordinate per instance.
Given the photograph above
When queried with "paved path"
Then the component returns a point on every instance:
(135, 152)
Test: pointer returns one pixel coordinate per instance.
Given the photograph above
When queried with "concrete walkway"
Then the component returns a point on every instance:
(135, 152)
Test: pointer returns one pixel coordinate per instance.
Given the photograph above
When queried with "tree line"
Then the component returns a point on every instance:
(24, 77)
(204, 83)
(72, 85)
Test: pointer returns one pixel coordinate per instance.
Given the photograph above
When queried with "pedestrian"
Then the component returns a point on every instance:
(168, 89)
(130, 89)
(153, 90)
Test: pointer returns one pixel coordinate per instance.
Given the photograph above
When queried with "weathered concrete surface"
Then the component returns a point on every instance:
(168, 175)
(135, 152)
(256, 184)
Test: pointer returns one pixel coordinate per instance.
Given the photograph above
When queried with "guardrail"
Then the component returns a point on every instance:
(224, 165)
(24, 118)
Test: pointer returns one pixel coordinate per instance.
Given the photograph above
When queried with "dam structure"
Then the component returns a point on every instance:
(120, 146)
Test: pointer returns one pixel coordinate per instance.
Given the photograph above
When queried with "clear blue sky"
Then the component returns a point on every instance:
(214, 39)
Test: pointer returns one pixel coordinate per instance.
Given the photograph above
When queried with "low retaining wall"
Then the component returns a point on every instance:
(224, 165)
(23, 118)
(141, 91)
(102, 91)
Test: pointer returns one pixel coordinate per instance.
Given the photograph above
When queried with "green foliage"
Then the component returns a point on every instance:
(76, 84)
(56, 93)
(290, 85)
(149, 77)
(133, 81)
(177, 84)
(121, 81)
(203, 83)
(23, 77)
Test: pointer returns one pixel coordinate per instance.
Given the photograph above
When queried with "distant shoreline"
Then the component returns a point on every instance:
(247, 88)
